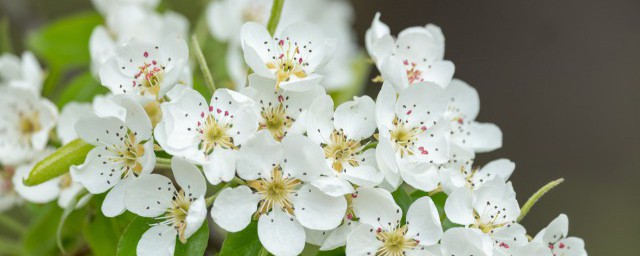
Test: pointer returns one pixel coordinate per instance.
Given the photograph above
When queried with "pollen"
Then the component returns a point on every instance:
(275, 191)
(341, 151)
(276, 120)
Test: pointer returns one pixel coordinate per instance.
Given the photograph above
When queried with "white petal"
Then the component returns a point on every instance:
(149, 196)
(534, 249)
(113, 204)
(159, 240)
(258, 156)
(422, 102)
(366, 174)
(253, 36)
(180, 118)
(42, 193)
(333, 185)
(196, 216)
(234, 207)
(356, 118)
(338, 237)
(188, 177)
(422, 176)
(375, 207)
(464, 97)
(458, 207)
(466, 241)
(385, 105)
(424, 222)
(394, 72)
(387, 162)
(237, 109)
(137, 119)
(98, 174)
(317, 210)
(303, 158)
(71, 113)
(484, 137)
(221, 166)
(440, 73)
(100, 131)
(309, 34)
(67, 195)
(319, 125)
(557, 229)
(280, 233)
(508, 239)
(500, 169)
(363, 241)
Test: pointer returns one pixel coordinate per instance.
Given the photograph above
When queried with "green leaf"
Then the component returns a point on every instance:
(40, 239)
(100, 233)
(83, 88)
(65, 42)
(196, 244)
(132, 234)
(245, 242)
(403, 199)
(59, 162)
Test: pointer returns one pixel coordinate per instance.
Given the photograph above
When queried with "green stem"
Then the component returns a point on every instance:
(536, 196)
(274, 19)
(12, 224)
(206, 72)
(263, 251)
(163, 161)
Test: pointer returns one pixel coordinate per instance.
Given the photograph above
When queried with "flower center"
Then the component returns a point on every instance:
(288, 61)
(215, 133)
(176, 216)
(275, 191)
(65, 181)
(276, 120)
(149, 77)
(128, 153)
(394, 243)
(414, 74)
(29, 125)
(404, 138)
(342, 150)
(496, 218)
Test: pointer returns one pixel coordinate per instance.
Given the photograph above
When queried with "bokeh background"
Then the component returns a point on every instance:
(561, 78)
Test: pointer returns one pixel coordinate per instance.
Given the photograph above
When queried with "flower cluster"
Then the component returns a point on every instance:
(277, 150)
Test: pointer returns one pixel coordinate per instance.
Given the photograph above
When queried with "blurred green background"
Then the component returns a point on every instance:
(561, 78)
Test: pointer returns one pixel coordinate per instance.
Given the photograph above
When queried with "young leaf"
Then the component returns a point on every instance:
(100, 233)
(59, 162)
(245, 242)
(196, 244)
(129, 239)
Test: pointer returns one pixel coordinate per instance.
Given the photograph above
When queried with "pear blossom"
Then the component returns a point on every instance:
(278, 193)
(343, 136)
(123, 152)
(127, 21)
(413, 137)
(180, 212)
(8, 196)
(416, 56)
(381, 232)
(466, 176)
(466, 241)
(27, 120)
(24, 72)
(281, 112)
(492, 209)
(466, 133)
(555, 237)
(209, 134)
(146, 69)
(534, 248)
(290, 58)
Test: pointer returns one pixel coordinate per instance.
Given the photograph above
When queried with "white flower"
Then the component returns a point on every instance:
(281, 112)
(146, 69)
(534, 248)
(472, 178)
(107, 6)
(466, 241)
(24, 73)
(413, 136)
(343, 136)
(416, 56)
(555, 236)
(225, 18)
(69, 116)
(27, 120)
(466, 133)
(8, 196)
(492, 209)
(381, 232)
(123, 151)
(290, 58)
(278, 194)
(208, 134)
(181, 212)
(125, 22)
